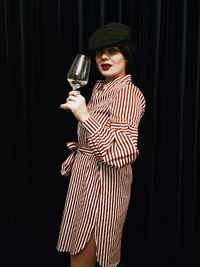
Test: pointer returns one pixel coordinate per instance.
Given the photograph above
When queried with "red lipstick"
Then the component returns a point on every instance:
(106, 66)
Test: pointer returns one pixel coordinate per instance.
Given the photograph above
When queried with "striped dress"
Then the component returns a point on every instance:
(101, 177)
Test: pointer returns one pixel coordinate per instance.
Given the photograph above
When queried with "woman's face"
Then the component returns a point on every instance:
(111, 62)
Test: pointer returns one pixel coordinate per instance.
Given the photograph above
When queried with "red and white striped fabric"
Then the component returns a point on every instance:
(101, 177)
(66, 167)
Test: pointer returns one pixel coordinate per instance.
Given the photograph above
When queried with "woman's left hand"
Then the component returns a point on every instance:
(76, 103)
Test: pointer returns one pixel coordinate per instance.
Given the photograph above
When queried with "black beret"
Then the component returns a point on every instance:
(109, 34)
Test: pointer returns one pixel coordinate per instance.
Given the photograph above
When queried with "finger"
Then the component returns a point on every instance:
(74, 93)
(64, 106)
(71, 99)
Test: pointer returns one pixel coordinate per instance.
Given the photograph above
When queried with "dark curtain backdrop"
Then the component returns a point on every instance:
(39, 40)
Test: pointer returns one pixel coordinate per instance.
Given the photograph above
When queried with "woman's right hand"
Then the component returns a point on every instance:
(76, 103)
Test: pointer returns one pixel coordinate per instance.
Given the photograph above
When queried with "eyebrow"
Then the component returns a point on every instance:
(106, 48)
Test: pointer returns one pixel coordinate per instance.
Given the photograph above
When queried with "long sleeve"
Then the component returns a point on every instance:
(116, 143)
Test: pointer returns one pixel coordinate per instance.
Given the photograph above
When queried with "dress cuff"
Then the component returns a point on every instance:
(91, 125)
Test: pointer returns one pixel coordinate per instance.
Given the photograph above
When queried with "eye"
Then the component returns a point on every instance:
(113, 50)
(99, 52)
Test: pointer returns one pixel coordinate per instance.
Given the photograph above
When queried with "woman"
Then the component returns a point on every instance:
(100, 164)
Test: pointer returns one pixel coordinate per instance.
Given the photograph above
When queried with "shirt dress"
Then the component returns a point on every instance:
(101, 176)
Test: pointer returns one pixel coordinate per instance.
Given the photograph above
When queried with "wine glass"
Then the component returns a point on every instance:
(79, 71)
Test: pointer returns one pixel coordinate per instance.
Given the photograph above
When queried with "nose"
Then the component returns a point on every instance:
(104, 55)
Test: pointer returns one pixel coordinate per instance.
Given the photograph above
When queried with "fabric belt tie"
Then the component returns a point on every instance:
(66, 166)
(85, 150)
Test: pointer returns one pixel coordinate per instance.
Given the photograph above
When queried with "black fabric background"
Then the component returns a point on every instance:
(39, 40)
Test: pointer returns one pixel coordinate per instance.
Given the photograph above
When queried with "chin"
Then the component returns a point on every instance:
(109, 75)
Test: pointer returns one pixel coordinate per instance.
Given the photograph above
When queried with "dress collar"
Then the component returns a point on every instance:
(102, 84)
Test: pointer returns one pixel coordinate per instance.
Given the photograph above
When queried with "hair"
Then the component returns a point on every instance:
(130, 51)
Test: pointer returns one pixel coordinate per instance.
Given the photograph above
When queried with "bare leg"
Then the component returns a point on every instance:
(87, 257)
